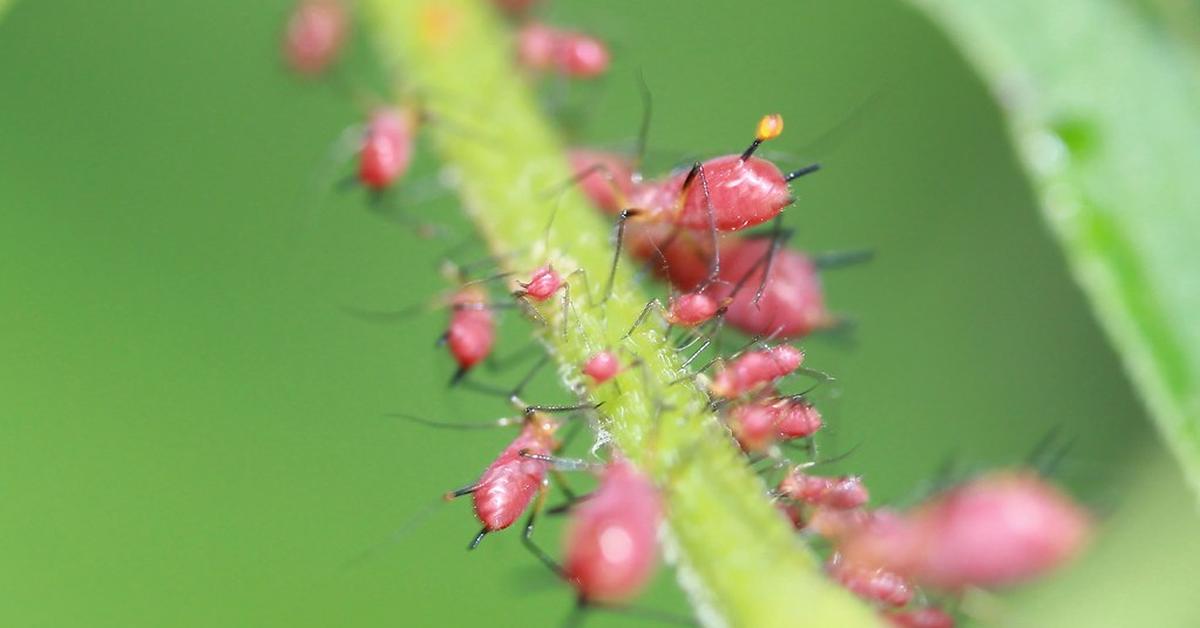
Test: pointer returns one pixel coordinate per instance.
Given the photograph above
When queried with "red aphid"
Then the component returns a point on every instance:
(606, 178)
(472, 329)
(741, 192)
(875, 585)
(581, 56)
(611, 547)
(542, 284)
(996, 530)
(754, 369)
(535, 46)
(691, 309)
(797, 419)
(792, 304)
(569, 53)
(839, 493)
(314, 35)
(387, 148)
(507, 486)
(753, 425)
(602, 367)
(920, 618)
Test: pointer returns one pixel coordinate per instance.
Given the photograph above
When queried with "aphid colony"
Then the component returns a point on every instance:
(689, 228)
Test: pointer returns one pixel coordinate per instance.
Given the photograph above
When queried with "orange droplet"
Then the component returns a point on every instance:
(769, 127)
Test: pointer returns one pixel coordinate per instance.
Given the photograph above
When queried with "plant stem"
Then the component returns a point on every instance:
(739, 560)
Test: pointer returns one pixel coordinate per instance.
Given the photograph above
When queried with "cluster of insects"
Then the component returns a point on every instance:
(713, 233)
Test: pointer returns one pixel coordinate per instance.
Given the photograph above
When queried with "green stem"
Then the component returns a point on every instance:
(738, 559)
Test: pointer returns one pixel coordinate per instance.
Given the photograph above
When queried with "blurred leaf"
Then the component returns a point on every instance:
(1102, 104)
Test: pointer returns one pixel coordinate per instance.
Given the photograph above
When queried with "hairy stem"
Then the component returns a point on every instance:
(738, 559)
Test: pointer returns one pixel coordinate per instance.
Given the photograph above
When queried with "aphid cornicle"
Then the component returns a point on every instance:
(314, 34)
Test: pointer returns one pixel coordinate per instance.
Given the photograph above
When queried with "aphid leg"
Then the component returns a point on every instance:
(841, 259)
(777, 239)
(478, 538)
(653, 304)
(620, 236)
(527, 536)
(1049, 452)
(697, 172)
(563, 464)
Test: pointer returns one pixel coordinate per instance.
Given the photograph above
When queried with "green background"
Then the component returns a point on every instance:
(191, 429)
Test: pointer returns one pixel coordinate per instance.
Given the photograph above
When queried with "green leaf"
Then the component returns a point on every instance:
(1101, 99)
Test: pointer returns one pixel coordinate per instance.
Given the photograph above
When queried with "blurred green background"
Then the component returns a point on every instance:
(191, 429)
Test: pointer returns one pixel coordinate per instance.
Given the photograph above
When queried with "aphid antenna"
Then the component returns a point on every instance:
(397, 534)
(451, 425)
(386, 316)
(833, 260)
(625, 215)
(643, 135)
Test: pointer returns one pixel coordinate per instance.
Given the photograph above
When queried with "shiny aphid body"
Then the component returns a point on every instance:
(752, 370)
(471, 332)
(545, 48)
(509, 484)
(611, 550)
(387, 147)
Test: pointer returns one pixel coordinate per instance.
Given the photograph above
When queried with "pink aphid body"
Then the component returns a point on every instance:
(755, 369)
(797, 419)
(792, 304)
(602, 367)
(753, 425)
(741, 193)
(314, 35)
(611, 548)
(542, 284)
(387, 148)
(605, 178)
(508, 485)
(920, 618)
(472, 329)
(581, 56)
(999, 529)
(535, 46)
(691, 309)
(875, 585)
(840, 493)
(543, 48)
